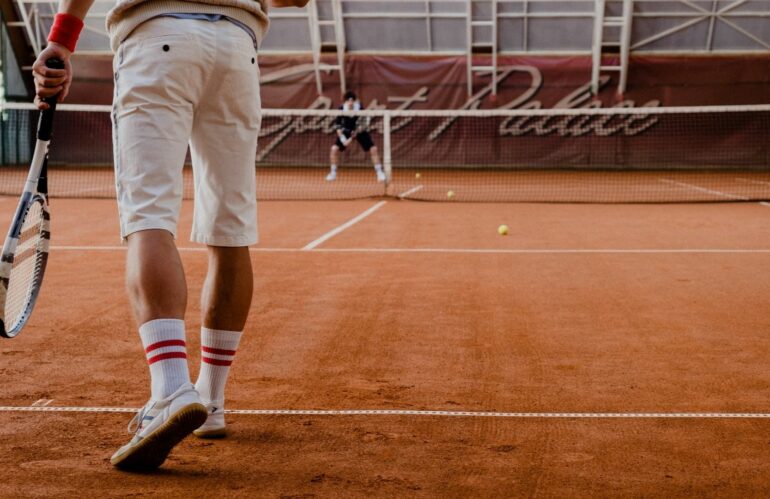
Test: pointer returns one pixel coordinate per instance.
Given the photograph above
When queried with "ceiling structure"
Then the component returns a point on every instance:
(480, 29)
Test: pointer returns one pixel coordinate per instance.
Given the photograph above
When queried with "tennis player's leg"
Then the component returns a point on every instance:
(153, 111)
(334, 159)
(225, 303)
(367, 144)
(155, 278)
(224, 145)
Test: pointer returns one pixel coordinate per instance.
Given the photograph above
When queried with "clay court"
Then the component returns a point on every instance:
(508, 248)
(597, 350)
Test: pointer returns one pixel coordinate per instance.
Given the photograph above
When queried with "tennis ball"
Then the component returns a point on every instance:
(503, 230)
(450, 194)
(417, 175)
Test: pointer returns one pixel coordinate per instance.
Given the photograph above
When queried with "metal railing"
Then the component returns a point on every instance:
(659, 26)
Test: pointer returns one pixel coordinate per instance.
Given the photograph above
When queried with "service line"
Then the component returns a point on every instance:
(482, 251)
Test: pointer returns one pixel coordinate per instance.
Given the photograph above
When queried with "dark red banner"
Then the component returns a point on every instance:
(436, 82)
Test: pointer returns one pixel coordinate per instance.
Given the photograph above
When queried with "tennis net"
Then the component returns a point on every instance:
(607, 155)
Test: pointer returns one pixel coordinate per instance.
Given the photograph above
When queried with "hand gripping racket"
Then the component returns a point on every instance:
(363, 124)
(25, 251)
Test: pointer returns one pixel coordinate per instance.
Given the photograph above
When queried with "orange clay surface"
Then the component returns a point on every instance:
(582, 308)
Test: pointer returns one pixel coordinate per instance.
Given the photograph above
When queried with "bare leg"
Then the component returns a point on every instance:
(334, 156)
(377, 165)
(155, 277)
(158, 293)
(227, 291)
(375, 153)
(225, 303)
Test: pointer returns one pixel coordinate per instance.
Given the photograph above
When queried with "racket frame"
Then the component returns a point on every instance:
(35, 191)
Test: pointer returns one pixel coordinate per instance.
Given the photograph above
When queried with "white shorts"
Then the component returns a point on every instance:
(180, 81)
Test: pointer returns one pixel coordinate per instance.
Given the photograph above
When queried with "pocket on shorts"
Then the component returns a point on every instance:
(163, 69)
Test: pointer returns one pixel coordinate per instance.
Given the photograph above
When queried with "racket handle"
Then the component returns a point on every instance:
(45, 126)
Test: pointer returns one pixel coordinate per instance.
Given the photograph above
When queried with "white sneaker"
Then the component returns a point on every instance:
(331, 176)
(158, 427)
(380, 176)
(214, 427)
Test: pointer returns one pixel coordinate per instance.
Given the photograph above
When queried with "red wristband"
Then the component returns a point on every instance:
(66, 30)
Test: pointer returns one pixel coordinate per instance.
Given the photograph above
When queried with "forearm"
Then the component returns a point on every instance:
(77, 8)
(66, 28)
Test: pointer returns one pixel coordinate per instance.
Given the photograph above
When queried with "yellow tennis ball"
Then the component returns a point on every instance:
(450, 194)
(417, 175)
(503, 230)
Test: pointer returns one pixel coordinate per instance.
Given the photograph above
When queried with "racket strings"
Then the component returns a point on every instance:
(28, 266)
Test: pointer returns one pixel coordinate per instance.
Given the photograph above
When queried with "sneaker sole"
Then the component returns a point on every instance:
(153, 450)
(213, 433)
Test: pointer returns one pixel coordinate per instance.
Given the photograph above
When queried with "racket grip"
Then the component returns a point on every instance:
(45, 126)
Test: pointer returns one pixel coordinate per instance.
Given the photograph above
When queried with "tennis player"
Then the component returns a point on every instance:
(185, 72)
(347, 130)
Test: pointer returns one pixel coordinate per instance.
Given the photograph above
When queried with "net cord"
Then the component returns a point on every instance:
(449, 113)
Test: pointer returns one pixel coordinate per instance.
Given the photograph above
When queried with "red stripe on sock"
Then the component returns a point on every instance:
(167, 343)
(217, 351)
(164, 356)
(216, 362)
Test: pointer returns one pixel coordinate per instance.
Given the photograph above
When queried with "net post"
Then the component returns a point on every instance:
(387, 158)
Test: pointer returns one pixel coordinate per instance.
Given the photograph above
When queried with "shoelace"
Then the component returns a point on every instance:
(135, 425)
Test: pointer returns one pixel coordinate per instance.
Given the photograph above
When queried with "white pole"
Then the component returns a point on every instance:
(597, 45)
(469, 48)
(625, 47)
(315, 43)
(387, 157)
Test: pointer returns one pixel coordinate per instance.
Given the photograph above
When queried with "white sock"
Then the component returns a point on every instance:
(334, 168)
(217, 353)
(166, 351)
(378, 167)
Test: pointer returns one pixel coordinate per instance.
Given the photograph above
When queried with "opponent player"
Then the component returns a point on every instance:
(184, 72)
(346, 126)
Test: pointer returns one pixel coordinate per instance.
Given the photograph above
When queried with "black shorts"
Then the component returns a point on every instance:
(363, 138)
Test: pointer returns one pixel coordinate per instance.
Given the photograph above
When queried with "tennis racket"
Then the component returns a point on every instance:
(363, 124)
(25, 251)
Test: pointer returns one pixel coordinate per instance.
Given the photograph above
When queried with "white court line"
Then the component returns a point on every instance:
(42, 403)
(536, 251)
(522, 251)
(344, 226)
(760, 182)
(402, 412)
(752, 181)
(411, 191)
(81, 192)
(703, 189)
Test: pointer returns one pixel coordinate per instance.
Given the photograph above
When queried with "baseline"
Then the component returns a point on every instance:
(402, 412)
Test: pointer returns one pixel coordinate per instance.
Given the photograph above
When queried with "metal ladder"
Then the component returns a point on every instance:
(318, 42)
(611, 32)
(474, 43)
(21, 29)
